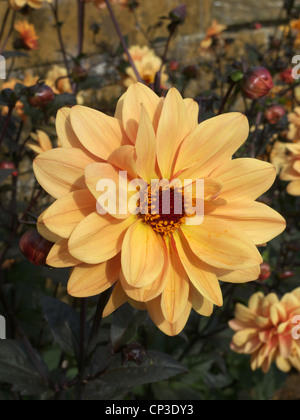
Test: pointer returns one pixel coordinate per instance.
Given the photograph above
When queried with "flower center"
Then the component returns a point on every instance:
(163, 209)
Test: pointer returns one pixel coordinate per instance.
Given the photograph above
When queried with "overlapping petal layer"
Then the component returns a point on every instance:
(156, 262)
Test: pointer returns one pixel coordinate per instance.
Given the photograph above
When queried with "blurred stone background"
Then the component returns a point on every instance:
(238, 15)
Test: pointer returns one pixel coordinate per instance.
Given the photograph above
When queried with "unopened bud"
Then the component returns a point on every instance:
(40, 95)
(34, 247)
(286, 76)
(10, 166)
(257, 83)
(265, 272)
(274, 114)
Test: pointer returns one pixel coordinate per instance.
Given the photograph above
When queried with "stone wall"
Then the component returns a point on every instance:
(200, 15)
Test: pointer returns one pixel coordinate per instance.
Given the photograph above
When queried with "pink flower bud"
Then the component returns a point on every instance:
(257, 83)
(9, 165)
(274, 114)
(265, 272)
(287, 77)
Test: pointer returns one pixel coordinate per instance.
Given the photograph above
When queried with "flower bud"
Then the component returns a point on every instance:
(287, 274)
(257, 83)
(274, 114)
(190, 72)
(265, 272)
(134, 352)
(174, 65)
(34, 247)
(178, 14)
(79, 73)
(286, 76)
(40, 95)
(10, 166)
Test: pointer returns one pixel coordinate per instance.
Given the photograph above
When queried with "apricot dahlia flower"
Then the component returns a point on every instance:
(19, 4)
(286, 158)
(147, 64)
(294, 126)
(28, 36)
(156, 261)
(264, 330)
(40, 142)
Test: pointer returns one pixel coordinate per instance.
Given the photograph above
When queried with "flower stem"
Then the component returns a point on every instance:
(81, 16)
(6, 16)
(226, 97)
(59, 34)
(117, 27)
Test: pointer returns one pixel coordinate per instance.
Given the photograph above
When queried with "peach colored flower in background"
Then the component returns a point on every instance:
(286, 158)
(29, 80)
(28, 36)
(19, 4)
(147, 64)
(294, 127)
(40, 142)
(213, 32)
(57, 78)
(155, 262)
(264, 331)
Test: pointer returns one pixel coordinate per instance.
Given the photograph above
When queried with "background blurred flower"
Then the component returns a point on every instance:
(286, 157)
(29, 80)
(213, 33)
(294, 127)
(19, 4)
(57, 78)
(40, 142)
(264, 331)
(28, 37)
(147, 64)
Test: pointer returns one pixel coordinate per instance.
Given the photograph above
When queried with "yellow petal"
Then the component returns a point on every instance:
(136, 95)
(146, 148)
(59, 255)
(176, 292)
(100, 172)
(154, 309)
(222, 245)
(211, 144)
(44, 231)
(124, 158)
(201, 305)
(64, 215)
(294, 188)
(239, 276)
(144, 294)
(203, 280)
(64, 130)
(142, 255)
(99, 133)
(260, 222)
(170, 132)
(98, 238)
(245, 178)
(90, 280)
(60, 171)
(117, 299)
(192, 114)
